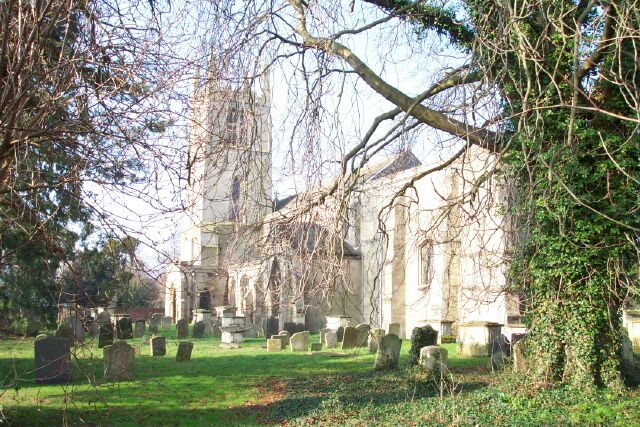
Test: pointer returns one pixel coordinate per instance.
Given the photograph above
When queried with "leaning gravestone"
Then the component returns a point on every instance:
(65, 331)
(362, 334)
(331, 339)
(52, 360)
(421, 337)
(138, 332)
(350, 338)
(158, 346)
(394, 328)
(323, 332)
(198, 329)
(374, 338)
(124, 329)
(340, 333)
(105, 335)
(300, 341)
(165, 323)
(274, 344)
(434, 360)
(184, 351)
(388, 353)
(182, 328)
(500, 351)
(118, 361)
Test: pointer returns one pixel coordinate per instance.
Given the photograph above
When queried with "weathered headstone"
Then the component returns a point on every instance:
(323, 332)
(286, 334)
(198, 329)
(434, 360)
(388, 353)
(421, 337)
(105, 335)
(124, 328)
(374, 338)
(350, 338)
(331, 339)
(500, 351)
(158, 346)
(316, 346)
(300, 341)
(139, 329)
(283, 338)
(274, 344)
(184, 351)
(118, 361)
(165, 323)
(394, 328)
(182, 328)
(362, 334)
(52, 360)
(154, 323)
(65, 331)
(75, 324)
(518, 353)
(270, 326)
(340, 333)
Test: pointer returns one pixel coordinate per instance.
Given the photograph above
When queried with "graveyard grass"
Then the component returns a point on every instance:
(248, 386)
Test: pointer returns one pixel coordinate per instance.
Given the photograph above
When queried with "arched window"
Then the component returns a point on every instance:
(235, 199)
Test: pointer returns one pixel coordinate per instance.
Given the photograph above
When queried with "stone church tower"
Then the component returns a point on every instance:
(228, 190)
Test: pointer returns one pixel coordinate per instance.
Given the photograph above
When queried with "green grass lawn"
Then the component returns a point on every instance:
(247, 386)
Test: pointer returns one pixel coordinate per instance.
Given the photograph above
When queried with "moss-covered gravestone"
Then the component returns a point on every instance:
(388, 353)
(182, 329)
(421, 337)
(124, 328)
(158, 346)
(52, 360)
(105, 335)
(198, 329)
(118, 361)
(349, 338)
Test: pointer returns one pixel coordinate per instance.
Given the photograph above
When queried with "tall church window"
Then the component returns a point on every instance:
(234, 210)
(426, 264)
(234, 124)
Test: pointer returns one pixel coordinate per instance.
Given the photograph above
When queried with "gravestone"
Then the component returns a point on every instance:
(198, 329)
(184, 351)
(323, 332)
(286, 334)
(374, 338)
(283, 338)
(118, 361)
(388, 353)
(105, 334)
(299, 341)
(500, 351)
(165, 323)
(350, 338)
(76, 326)
(52, 356)
(422, 336)
(139, 330)
(274, 344)
(316, 346)
(182, 329)
(362, 334)
(124, 328)
(340, 333)
(158, 346)
(270, 326)
(154, 322)
(331, 339)
(519, 358)
(65, 331)
(434, 360)
(394, 328)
